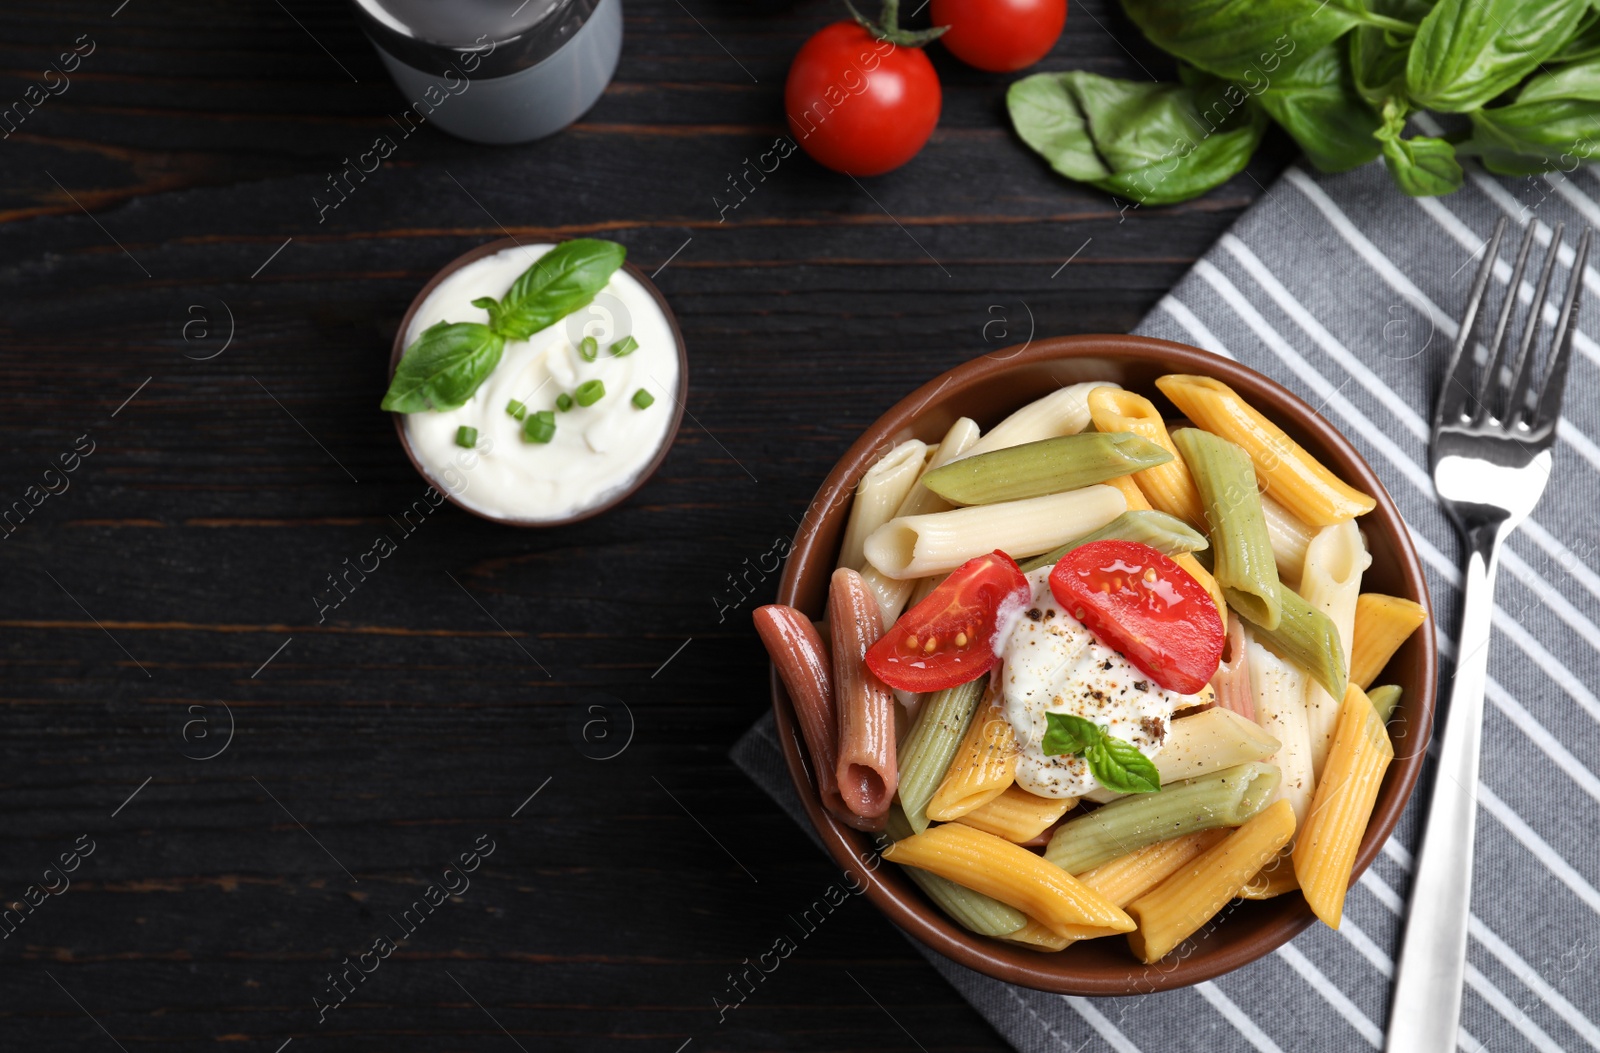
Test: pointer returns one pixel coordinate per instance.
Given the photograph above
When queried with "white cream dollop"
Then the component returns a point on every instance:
(1052, 664)
(598, 449)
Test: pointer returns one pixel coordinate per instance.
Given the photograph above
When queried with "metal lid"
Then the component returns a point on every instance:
(494, 37)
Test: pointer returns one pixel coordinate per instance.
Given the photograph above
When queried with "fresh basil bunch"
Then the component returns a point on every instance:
(445, 365)
(1342, 77)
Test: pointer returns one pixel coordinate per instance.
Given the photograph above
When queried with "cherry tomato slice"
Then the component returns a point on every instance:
(1144, 605)
(948, 638)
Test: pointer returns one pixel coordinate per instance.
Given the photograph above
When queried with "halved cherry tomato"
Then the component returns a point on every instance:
(1144, 605)
(948, 638)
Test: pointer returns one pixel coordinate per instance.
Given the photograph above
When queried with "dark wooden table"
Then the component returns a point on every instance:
(171, 301)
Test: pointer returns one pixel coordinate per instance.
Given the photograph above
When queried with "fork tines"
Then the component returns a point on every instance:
(1505, 396)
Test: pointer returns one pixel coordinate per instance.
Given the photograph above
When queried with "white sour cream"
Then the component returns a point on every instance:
(597, 450)
(1055, 665)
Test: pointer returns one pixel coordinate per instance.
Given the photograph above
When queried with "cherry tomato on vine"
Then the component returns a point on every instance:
(948, 638)
(1141, 603)
(1000, 35)
(858, 103)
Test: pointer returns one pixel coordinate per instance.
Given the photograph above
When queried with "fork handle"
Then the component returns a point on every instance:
(1425, 1010)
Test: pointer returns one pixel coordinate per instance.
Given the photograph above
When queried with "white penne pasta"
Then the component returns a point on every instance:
(892, 593)
(1064, 412)
(917, 546)
(1289, 537)
(1206, 742)
(1280, 690)
(1335, 560)
(879, 494)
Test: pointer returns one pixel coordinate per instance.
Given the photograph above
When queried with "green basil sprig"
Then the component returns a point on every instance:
(1340, 76)
(445, 365)
(1115, 763)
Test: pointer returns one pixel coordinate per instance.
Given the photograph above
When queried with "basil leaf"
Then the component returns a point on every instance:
(559, 282)
(1118, 765)
(1584, 43)
(1317, 103)
(443, 367)
(1467, 52)
(1151, 143)
(1378, 55)
(1231, 38)
(1553, 124)
(1065, 733)
(1423, 166)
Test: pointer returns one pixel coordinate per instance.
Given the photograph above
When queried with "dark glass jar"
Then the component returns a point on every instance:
(497, 71)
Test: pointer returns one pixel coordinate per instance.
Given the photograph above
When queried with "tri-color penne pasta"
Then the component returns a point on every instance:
(1132, 663)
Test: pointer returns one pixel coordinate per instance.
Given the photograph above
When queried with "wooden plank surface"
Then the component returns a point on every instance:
(169, 588)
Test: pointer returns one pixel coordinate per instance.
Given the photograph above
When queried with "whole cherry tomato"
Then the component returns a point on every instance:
(1000, 35)
(859, 104)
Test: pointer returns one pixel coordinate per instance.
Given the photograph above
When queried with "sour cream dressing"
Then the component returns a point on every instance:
(1053, 664)
(597, 450)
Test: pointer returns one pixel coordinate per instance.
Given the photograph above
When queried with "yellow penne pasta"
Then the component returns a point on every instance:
(1296, 480)
(1325, 851)
(1203, 743)
(1137, 502)
(1125, 879)
(1035, 936)
(1172, 911)
(1018, 815)
(1168, 487)
(983, 766)
(1382, 624)
(1014, 876)
(1274, 879)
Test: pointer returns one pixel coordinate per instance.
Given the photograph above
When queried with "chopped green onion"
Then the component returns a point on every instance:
(626, 346)
(643, 399)
(466, 437)
(590, 392)
(539, 427)
(588, 348)
(563, 402)
(516, 409)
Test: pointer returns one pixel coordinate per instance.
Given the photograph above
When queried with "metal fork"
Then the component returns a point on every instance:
(1490, 453)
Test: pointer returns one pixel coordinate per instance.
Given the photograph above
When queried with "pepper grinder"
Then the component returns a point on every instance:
(497, 71)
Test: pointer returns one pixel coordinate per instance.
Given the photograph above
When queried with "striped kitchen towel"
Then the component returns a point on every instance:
(1346, 292)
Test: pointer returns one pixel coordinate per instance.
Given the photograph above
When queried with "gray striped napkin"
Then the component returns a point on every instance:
(1346, 292)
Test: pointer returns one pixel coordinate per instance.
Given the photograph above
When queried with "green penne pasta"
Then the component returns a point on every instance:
(1243, 563)
(1306, 637)
(1049, 466)
(971, 910)
(1222, 798)
(926, 752)
(1384, 699)
(1168, 535)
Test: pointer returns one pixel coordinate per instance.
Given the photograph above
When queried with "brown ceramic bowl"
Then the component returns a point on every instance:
(682, 395)
(987, 389)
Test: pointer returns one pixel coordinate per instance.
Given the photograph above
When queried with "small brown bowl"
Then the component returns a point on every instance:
(680, 399)
(987, 389)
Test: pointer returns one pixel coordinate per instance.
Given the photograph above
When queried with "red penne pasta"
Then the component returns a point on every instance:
(801, 659)
(867, 771)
